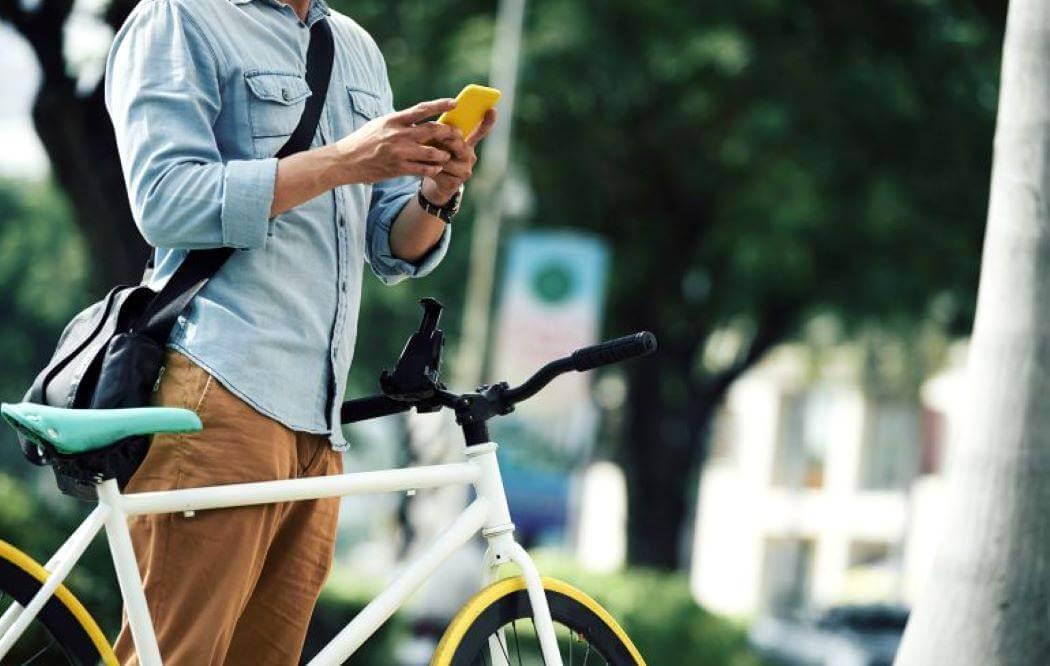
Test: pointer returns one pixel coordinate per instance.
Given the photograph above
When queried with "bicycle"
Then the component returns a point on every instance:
(485, 630)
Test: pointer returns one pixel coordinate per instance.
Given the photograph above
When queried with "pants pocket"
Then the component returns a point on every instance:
(183, 385)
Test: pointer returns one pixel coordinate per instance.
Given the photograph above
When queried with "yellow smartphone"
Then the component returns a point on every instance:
(471, 104)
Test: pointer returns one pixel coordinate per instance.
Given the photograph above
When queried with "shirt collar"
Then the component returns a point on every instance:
(315, 6)
(318, 6)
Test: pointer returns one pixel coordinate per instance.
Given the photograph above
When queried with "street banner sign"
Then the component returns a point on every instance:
(551, 304)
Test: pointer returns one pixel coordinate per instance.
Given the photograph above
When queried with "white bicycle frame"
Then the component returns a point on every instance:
(488, 513)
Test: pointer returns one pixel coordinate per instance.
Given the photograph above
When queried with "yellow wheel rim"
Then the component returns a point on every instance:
(473, 609)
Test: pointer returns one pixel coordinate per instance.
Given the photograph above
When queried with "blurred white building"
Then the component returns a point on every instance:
(817, 493)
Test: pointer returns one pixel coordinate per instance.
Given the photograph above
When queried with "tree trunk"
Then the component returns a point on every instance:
(660, 455)
(986, 598)
(656, 504)
(79, 142)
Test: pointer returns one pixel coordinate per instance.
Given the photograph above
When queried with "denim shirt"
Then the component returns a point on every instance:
(202, 94)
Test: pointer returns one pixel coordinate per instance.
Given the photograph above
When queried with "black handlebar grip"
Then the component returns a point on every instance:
(363, 409)
(614, 351)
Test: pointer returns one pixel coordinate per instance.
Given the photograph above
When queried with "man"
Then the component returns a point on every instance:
(202, 94)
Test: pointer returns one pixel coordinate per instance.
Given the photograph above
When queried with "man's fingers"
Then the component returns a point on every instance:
(433, 132)
(483, 129)
(421, 169)
(459, 170)
(427, 154)
(423, 110)
(443, 136)
(459, 149)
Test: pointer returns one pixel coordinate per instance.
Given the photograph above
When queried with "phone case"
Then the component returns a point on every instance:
(471, 105)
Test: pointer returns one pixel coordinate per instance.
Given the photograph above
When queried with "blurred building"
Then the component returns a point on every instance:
(819, 491)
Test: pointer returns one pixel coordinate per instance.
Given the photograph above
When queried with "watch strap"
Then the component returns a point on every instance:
(444, 213)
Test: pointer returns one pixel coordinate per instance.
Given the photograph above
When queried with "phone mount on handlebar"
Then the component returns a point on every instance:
(417, 376)
(415, 381)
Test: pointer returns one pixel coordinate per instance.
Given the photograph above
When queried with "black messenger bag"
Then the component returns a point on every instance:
(111, 355)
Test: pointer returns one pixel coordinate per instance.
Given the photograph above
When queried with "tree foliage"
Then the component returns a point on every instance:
(752, 164)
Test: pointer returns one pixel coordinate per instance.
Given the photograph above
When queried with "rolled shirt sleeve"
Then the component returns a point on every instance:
(389, 198)
(163, 96)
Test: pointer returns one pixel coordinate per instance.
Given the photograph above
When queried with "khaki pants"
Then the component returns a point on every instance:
(236, 585)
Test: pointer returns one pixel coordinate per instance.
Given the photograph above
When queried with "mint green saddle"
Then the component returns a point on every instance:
(77, 431)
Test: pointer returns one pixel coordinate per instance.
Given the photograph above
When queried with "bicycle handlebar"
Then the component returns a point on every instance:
(614, 351)
(581, 360)
(363, 409)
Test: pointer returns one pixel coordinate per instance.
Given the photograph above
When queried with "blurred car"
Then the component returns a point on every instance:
(855, 635)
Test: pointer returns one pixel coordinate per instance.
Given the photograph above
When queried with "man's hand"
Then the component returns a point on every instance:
(415, 232)
(396, 145)
(440, 187)
(403, 143)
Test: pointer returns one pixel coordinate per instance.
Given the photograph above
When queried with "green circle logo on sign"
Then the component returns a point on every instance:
(553, 282)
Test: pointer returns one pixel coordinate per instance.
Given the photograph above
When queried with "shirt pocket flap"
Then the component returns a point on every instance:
(365, 103)
(281, 88)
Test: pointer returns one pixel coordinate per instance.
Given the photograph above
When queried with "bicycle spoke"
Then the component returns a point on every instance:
(35, 656)
(533, 648)
(499, 639)
(539, 643)
(517, 645)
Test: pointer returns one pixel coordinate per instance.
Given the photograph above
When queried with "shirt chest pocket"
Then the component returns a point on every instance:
(275, 103)
(364, 106)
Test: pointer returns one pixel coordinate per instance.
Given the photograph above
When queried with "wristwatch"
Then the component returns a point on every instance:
(446, 212)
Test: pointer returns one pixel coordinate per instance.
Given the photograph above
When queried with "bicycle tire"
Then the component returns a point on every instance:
(69, 624)
(507, 601)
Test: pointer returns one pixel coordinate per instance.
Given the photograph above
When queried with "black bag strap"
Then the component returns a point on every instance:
(200, 265)
(319, 57)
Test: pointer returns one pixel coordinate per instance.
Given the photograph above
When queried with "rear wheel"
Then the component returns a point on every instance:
(496, 627)
(62, 633)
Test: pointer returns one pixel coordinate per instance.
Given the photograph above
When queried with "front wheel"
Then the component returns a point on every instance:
(63, 633)
(495, 627)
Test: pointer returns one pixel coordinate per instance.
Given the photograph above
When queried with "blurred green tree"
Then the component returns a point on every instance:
(43, 271)
(753, 164)
(43, 281)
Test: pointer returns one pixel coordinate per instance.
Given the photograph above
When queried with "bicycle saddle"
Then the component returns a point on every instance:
(77, 431)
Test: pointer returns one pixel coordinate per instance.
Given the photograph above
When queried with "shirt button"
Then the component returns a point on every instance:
(343, 285)
(342, 221)
(285, 94)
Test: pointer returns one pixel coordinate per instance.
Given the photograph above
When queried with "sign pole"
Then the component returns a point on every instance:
(484, 246)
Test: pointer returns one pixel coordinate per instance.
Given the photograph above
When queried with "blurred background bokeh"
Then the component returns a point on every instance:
(791, 195)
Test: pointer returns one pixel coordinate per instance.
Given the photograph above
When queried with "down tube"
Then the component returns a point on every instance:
(383, 606)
